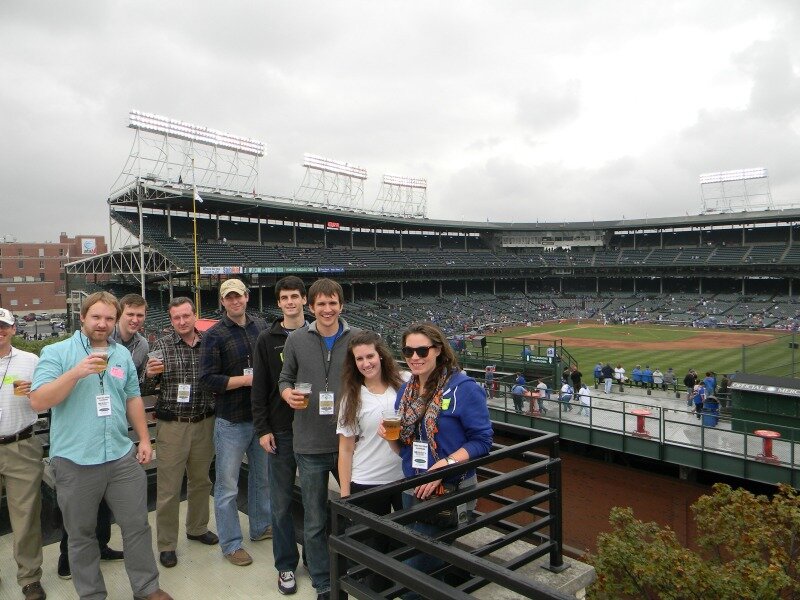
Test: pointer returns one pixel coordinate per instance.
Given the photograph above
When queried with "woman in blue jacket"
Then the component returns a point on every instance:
(444, 411)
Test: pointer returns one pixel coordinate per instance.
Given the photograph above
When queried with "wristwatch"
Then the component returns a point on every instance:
(450, 460)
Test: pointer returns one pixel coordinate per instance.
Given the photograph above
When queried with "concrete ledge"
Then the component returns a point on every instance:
(572, 581)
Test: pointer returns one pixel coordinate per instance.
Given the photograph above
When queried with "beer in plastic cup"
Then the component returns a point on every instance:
(159, 356)
(305, 389)
(20, 387)
(391, 424)
(101, 353)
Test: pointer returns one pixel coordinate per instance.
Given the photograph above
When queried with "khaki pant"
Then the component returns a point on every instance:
(183, 447)
(21, 475)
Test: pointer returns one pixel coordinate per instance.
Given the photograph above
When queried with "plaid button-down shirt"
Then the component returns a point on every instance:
(227, 350)
(181, 365)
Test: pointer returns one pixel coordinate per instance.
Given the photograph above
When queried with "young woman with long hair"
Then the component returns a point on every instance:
(370, 380)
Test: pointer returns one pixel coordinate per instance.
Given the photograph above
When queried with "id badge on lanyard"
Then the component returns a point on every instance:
(419, 455)
(184, 392)
(103, 405)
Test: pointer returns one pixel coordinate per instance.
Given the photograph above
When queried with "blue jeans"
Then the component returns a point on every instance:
(231, 442)
(314, 469)
(282, 468)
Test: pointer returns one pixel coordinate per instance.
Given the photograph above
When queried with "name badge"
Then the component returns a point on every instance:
(326, 403)
(184, 392)
(103, 405)
(247, 371)
(419, 456)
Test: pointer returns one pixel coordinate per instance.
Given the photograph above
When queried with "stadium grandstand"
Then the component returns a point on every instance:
(171, 237)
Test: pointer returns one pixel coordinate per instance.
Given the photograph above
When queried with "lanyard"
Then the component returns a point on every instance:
(327, 361)
(179, 352)
(8, 364)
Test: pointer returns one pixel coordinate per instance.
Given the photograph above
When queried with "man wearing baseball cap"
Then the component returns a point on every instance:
(21, 459)
(226, 368)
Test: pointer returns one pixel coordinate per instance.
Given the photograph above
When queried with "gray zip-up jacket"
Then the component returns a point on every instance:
(305, 358)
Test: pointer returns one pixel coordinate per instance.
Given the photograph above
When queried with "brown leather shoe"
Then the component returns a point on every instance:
(34, 591)
(240, 558)
(159, 594)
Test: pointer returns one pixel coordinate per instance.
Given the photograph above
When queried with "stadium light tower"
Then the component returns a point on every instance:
(402, 196)
(163, 151)
(331, 183)
(736, 191)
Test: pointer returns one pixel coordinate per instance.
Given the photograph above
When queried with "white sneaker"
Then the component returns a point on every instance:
(286, 582)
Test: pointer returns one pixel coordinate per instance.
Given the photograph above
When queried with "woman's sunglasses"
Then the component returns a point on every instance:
(422, 351)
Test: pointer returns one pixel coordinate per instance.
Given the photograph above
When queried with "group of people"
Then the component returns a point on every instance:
(241, 388)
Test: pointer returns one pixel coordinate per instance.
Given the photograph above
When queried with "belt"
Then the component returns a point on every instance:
(177, 419)
(22, 435)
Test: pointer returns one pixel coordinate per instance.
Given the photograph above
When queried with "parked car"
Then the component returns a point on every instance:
(30, 317)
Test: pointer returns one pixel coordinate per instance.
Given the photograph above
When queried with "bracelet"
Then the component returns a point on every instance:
(450, 460)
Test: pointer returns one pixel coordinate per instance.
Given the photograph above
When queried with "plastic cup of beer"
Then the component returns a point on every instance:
(391, 424)
(21, 387)
(305, 389)
(159, 356)
(103, 354)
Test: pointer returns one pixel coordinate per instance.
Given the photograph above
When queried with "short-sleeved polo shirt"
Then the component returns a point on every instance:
(76, 432)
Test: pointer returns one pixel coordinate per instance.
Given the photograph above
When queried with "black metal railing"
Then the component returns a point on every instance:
(518, 499)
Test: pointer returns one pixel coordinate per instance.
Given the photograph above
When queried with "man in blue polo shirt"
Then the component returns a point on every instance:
(90, 383)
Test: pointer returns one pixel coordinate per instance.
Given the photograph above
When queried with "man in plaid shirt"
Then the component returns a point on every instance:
(184, 433)
(226, 368)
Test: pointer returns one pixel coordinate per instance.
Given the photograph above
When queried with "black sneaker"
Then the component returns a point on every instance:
(109, 554)
(63, 567)
(286, 583)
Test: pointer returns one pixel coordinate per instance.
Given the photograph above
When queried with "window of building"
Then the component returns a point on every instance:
(61, 276)
(12, 288)
(41, 276)
(14, 302)
(37, 300)
(41, 264)
(41, 251)
(61, 252)
(21, 264)
(19, 251)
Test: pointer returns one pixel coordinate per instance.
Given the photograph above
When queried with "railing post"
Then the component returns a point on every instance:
(556, 530)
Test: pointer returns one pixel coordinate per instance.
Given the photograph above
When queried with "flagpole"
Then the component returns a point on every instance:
(194, 239)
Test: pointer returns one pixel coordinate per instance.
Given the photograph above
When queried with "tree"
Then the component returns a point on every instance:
(747, 548)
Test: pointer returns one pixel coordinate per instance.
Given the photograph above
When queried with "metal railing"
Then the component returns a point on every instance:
(669, 425)
(513, 505)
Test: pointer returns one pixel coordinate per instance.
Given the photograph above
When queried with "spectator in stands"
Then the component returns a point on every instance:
(710, 383)
(585, 399)
(226, 368)
(608, 377)
(315, 441)
(636, 376)
(489, 380)
(527, 353)
(90, 451)
(647, 377)
(723, 392)
(669, 379)
(518, 396)
(184, 433)
(689, 382)
(272, 419)
(658, 379)
(619, 375)
(21, 459)
(698, 397)
(575, 377)
(520, 379)
(544, 394)
(565, 374)
(598, 373)
(566, 396)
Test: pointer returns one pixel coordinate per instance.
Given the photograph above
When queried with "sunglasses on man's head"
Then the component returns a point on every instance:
(422, 351)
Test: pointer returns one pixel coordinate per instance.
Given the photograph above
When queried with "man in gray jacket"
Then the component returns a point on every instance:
(315, 355)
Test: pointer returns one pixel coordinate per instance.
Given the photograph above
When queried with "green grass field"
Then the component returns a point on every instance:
(773, 357)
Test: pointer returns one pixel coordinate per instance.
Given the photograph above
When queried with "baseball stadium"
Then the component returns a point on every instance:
(714, 292)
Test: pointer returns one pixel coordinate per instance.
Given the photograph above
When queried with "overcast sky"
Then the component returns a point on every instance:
(512, 110)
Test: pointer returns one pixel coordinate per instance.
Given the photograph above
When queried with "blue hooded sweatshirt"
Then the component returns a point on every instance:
(463, 423)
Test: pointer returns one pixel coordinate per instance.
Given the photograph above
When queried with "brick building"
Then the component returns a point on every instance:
(32, 274)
